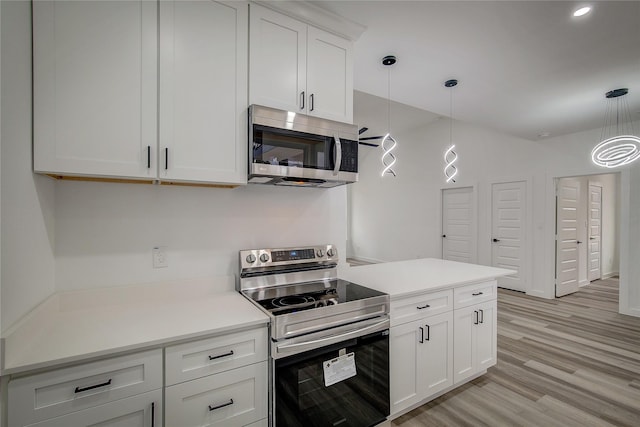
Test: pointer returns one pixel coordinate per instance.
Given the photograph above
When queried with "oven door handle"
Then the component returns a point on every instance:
(338, 155)
(310, 345)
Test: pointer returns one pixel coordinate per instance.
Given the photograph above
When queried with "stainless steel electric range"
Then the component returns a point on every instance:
(329, 338)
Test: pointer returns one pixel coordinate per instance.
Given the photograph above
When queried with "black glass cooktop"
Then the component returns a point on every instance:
(310, 295)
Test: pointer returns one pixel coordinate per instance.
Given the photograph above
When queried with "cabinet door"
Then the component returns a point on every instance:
(95, 88)
(464, 324)
(329, 76)
(436, 354)
(143, 410)
(486, 337)
(203, 98)
(404, 365)
(232, 398)
(278, 57)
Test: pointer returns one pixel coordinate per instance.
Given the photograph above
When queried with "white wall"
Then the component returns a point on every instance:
(27, 267)
(399, 218)
(105, 231)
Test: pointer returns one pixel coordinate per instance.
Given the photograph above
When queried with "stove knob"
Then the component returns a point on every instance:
(264, 257)
(251, 258)
(320, 253)
(331, 252)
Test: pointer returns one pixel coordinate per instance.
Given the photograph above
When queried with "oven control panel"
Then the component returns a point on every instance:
(253, 258)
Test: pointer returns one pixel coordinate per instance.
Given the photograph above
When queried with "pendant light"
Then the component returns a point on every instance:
(619, 144)
(388, 143)
(450, 156)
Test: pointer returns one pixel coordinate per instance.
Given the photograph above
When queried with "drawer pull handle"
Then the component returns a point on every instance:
(221, 355)
(424, 306)
(476, 294)
(213, 408)
(91, 387)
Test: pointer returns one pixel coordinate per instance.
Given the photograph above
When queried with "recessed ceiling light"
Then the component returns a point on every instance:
(582, 11)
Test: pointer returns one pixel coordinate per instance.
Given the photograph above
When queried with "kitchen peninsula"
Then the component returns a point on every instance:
(443, 324)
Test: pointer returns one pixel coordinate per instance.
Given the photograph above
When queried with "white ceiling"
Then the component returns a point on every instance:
(524, 67)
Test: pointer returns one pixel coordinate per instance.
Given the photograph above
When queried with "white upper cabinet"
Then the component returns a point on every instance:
(95, 88)
(203, 91)
(300, 68)
(113, 101)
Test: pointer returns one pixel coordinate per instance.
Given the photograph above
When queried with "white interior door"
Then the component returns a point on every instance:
(595, 230)
(508, 234)
(458, 225)
(567, 203)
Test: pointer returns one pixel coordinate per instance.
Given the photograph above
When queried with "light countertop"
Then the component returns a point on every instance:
(412, 277)
(79, 325)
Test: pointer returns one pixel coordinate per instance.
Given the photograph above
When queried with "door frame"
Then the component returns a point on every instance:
(527, 246)
(623, 235)
(474, 230)
(590, 184)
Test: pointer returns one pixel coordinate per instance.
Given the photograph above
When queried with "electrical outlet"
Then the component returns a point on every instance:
(159, 257)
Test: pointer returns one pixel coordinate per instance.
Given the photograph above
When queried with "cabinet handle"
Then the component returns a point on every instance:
(475, 322)
(302, 100)
(166, 158)
(213, 408)
(476, 294)
(91, 387)
(148, 157)
(221, 355)
(496, 240)
(311, 97)
(424, 306)
(428, 333)
(481, 316)
(153, 414)
(421, 334)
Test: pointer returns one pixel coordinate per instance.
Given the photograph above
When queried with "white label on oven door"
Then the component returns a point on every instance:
(339, 369)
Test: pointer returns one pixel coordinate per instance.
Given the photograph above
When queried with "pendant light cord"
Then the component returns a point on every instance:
(389, 100)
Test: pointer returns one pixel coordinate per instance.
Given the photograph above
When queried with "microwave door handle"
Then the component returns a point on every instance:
(338, 155)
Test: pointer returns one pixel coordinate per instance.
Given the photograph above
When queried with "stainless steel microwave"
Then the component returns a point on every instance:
(288, 148)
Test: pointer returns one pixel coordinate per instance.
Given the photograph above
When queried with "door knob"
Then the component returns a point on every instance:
(496, 240)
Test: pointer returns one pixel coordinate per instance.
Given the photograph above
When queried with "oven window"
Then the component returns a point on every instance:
(289, 148)
(303, 400)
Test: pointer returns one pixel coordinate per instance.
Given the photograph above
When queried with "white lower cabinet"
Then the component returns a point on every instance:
(420, 359)
(233, 398)
(439, 340)
(143, 410)
(475, 339)
(219, 381)
(35, 398)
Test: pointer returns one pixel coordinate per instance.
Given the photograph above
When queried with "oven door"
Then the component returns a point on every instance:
(303, 398)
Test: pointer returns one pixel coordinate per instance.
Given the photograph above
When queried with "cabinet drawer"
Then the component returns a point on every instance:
(143, 410)
(412, 308)
(197, 359)
(233, 398)
(472, 294)
(52, 394)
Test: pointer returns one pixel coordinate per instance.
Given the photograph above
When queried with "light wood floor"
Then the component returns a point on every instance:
(572, 361)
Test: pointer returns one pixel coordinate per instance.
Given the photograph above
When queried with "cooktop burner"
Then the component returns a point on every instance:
(307, 296)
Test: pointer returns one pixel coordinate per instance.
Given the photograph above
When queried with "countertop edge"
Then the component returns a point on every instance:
(127, 349)
(443, 287)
